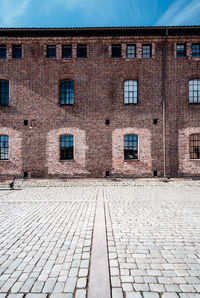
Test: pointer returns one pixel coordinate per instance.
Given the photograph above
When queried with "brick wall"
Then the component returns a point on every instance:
(98, 83)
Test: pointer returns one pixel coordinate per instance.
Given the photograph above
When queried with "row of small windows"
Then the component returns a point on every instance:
(116, 51)
(130, 92)
(181, 50)
(130, 147)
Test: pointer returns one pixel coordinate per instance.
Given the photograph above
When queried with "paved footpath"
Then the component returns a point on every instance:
(100, 240)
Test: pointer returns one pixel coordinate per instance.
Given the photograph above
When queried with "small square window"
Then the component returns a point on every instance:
(81, 51)
(17, 51)
(181, 50)
(146, 51)
(67, 51)
(51, 52)
(196, 50)
(2, 52)
(116, 51)
(131, 51)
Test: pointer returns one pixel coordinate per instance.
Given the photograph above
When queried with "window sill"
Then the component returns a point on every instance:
(67, 160)
(66, 104)
(4, 106)
(130, 104)
(194, 159)
(4, 160)
(131, 160)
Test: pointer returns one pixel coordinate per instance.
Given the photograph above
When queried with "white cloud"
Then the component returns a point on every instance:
(12, 11)
(181, 12)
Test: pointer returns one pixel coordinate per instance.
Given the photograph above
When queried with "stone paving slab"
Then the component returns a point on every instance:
(152, 232)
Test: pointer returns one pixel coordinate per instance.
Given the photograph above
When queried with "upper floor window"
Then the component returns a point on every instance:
(116, 51)
(146, 51)
(2, 52)
(81, 51)
(4, 147)
(66, 92)
(130, 51)
(181, 50)
(131, 147)
(67, 51)
(51, 52)
(66, 147)
(196, 50)
(194, 146)
(17, 51)
(4, 93)
(194, 91)
(130, 91)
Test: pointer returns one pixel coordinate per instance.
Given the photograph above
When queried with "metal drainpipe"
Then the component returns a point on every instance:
(164, 100)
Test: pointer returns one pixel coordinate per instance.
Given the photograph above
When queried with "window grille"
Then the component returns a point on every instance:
(196, 50)
(51, 52)
(130, 147)
(130, 51)
(4, 92)
(66, 147)
(116, 51)
(146, 51)
(81, 51)
(2, 52)
(17, 51)
(131, 92)
(181, 50)
(194, 91)
(67, 51)
(4, 147)
(67, 92)
(194, 146)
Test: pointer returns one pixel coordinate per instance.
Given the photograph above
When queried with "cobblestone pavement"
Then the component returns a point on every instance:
(154, 241)
(153, 237)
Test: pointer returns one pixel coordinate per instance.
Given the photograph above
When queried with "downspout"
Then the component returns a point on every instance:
(164, 100)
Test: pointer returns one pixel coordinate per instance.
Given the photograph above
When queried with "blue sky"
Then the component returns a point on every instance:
(83, 13)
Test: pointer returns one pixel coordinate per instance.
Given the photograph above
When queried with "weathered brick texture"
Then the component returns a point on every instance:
(98, 86)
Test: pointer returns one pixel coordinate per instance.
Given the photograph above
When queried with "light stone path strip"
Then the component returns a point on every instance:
(99, 281)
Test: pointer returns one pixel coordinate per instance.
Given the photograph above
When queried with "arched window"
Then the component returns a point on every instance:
(194, 91)
(130, 147)
(194, 146)
(131, 91)
(4, 93)
(66, 147)
(66, 92)
(4, 147)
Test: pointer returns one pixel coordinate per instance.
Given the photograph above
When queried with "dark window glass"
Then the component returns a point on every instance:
(130, 91)
(81, 51)
(51, 52)
(194, 91)
(194, 146)
(146, 51)
(196, 50)
(131, 147)
(131, 51)
(67, 92)
(2, 52)
(116, 51)
(17, 51)
(67, 51)
(66, 147)
(181, 50)
(4, 147)
(4, 92)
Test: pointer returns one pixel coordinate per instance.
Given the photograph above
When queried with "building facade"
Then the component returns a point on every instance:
(96, 102)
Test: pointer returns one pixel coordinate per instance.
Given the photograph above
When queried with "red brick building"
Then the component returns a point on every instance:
(96, 102)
